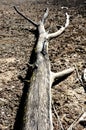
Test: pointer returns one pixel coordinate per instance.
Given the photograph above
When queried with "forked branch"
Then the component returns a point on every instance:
(41, 28)
(28, 19)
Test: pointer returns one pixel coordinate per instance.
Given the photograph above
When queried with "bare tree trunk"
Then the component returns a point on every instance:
(38, 104)
(37, 109)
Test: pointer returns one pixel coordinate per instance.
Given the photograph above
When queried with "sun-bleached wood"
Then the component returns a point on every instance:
(61, 30)
(61, 74)
(37, 109)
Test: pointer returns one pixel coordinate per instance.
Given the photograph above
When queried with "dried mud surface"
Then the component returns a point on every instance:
(16, 43)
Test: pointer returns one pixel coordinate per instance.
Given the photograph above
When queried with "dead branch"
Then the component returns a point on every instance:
(45, 15)
(28, 19)
(37, 106)
(61, 74)
(61, 30)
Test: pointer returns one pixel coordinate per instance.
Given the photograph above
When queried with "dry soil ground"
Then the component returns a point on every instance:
(16, 43)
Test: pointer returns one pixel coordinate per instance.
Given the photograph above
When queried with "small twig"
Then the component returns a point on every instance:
(63, 7)
(84, 76)
(78, 75)
(58, 118)
(75, 122)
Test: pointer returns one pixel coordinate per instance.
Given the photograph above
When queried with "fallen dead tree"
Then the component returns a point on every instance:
(37, 110)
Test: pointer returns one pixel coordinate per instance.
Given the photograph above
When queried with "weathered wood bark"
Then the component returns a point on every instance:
(38, 104)
(37, 109)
